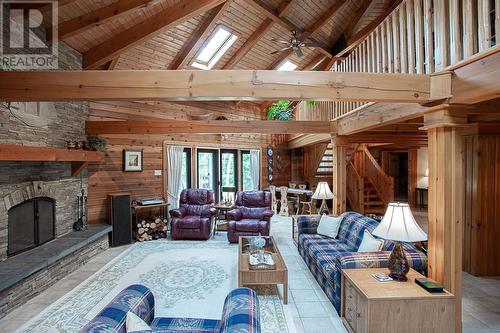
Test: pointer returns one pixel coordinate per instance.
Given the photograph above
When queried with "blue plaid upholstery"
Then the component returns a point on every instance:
(326, 256)
(240, 314)
(136, 298)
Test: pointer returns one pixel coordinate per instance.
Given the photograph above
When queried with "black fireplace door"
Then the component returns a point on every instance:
(31, 224)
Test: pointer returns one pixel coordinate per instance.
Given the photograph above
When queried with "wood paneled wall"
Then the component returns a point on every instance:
(481, 243)
(109, 177)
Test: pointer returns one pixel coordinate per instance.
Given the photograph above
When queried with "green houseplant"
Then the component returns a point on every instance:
(281, 110)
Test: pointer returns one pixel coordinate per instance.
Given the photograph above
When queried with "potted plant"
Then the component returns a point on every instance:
(281, 110)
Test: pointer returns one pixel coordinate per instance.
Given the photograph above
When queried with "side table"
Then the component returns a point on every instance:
(372, 306)
(220, 209)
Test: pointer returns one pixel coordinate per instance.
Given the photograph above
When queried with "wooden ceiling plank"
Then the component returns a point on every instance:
(199, 35)
(363, 33)
(196, 85)
(249, 43)
(285, 23)
(99, 16)
(153, 26)
(317, 25)
(206, 127)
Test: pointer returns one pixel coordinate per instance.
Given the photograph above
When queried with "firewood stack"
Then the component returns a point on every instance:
(151, 229)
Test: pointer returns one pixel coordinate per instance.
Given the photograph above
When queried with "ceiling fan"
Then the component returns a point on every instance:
(295, 43)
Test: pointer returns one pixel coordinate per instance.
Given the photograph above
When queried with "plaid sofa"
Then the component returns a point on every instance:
(240, 314)
(326, 256)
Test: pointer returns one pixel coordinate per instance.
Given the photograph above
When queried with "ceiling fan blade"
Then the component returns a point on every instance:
(298, 51)
(310, 45)
(303, 36)
(279, 51)
(280, 41)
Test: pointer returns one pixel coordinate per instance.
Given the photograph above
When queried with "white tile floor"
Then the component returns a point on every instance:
(311, 310)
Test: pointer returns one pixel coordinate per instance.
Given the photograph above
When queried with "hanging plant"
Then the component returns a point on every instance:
(281, 110)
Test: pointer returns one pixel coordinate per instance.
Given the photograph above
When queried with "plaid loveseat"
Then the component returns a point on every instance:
(240, 314)
(326, 256)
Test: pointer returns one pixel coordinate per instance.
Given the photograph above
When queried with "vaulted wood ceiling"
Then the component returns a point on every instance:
(167, 34)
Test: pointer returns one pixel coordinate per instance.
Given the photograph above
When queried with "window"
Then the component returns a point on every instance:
(217, 45)
(186, 168)
(287, 66)
(246, 175)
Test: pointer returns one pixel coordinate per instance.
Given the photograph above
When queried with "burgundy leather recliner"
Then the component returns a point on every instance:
(193, 219)
(251, 217)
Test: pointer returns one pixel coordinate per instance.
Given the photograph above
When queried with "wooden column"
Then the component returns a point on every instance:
(339, 174)
(446, 159)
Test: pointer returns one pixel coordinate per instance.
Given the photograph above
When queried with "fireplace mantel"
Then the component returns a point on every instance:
(78, 158)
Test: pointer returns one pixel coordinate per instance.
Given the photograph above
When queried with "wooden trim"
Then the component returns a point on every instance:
(10, 152)
(160, 22)
(205, 127)
(213, 85)
(199, 35)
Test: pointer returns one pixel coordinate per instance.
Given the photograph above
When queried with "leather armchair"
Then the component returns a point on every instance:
(194, 217)
(251, 217)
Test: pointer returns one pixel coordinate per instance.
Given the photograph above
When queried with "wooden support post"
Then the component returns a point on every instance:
(339, 187)
(446, 203)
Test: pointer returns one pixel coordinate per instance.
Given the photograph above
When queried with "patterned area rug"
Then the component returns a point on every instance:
(188, 279)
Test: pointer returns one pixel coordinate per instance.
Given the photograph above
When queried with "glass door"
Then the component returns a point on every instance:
(228, 175)
(207, 168)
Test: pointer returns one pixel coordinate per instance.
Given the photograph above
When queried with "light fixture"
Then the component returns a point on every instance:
(398, 224)
(323, 192)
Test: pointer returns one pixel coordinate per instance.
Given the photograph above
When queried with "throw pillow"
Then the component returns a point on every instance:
(370, 243)
(329, 225)
(136, 324)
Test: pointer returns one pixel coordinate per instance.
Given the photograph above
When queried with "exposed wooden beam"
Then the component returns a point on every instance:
(477, 81)
(308, 140)
(111, 64)
(160, 22)
(363, 33)
(318, 60)
(357, 17)
(376, 115)
(99, 16)
(317, 25)
(199, 35)
(249, 43)
(205, 127)
(285, 23)
(284, 7)
(192, 85)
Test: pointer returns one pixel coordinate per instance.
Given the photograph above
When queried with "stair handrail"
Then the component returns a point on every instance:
(383, 184)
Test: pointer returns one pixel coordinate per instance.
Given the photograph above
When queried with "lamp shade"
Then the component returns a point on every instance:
(323, 192)
(398, 224)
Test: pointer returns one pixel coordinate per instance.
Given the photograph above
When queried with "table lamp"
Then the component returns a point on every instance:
(398, 224)
(324, 193)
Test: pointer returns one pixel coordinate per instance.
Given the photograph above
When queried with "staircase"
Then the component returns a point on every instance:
(369, 188)
(325, 166)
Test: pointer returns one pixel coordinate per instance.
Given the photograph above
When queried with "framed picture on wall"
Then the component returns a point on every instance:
(132, 160)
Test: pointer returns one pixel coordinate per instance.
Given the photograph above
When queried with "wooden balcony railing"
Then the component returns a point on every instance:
(422, 36)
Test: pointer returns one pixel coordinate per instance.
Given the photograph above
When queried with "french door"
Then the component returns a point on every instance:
(208, 170)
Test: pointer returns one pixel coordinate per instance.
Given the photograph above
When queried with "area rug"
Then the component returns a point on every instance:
(188, 279)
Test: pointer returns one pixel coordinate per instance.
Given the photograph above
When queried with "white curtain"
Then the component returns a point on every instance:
(174, 175)
(255, 168)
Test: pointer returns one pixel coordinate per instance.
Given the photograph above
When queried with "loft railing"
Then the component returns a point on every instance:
(422, 36)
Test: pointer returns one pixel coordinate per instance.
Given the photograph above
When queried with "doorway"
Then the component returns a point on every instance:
(398, 168)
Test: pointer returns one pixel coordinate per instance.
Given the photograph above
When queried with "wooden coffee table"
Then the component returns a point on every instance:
(246, 276)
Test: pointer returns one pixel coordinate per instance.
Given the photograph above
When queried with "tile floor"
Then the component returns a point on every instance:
(309, 307)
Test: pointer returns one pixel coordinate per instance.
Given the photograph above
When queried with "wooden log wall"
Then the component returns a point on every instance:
(422, 36)
(481, 237)
(108, 176)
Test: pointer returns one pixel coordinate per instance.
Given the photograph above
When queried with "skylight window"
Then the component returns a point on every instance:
(218, 44)
(287, 66)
